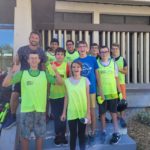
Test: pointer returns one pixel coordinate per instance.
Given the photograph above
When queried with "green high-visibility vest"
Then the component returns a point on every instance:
(120, 64)
(71, 57)
(77, 99)
(58, 91)
(33, 92)
(50, 58)
(108, 81)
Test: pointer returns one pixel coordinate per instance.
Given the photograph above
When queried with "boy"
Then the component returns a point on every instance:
(123, 70)
(33, 95)
(109, 84)
(90, 70)
(71, 53)
(57, 94)
(94, 51)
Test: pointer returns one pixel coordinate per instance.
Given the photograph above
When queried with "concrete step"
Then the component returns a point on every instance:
(125, 143)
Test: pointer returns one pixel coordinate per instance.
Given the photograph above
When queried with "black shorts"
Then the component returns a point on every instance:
(16, 88)
(108, 105)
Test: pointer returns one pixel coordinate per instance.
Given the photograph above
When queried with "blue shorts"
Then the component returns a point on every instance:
(33, 122)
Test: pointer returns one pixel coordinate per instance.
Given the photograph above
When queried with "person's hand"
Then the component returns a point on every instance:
(63, 117)
(120, 96)
(54, 67)
(15, 68)
(89, 118)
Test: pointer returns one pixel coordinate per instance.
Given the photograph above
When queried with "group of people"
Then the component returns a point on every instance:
(73, 81)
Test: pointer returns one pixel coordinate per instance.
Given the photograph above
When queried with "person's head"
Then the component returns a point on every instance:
(76, 68)
(60, 54)
(115, 50)
(34, 38)
(54, 44)
(94, 49)
(70, 45)
(104, 53)
(82, 48)
(34, 59)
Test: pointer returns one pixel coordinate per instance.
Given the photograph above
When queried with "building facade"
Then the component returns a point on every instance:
(104, 22)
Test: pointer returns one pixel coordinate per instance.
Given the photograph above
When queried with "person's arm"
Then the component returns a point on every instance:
(12, 78)
(88, 103)
(63, 116)
(123, 70)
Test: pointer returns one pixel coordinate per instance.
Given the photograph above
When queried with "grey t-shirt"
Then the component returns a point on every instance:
(23, 54)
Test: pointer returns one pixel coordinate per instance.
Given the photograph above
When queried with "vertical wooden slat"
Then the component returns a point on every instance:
(60, 38)
(134, 57)
(95, 35)
(118, 38)
(80, 35)
(128, 55)
(108, 39)
(140, 57)
(65, 38)
(49, 37)
(146, 57)
(73, 35)
(87, 37)
(123, 44)
(103, 38)
(114, 37)
(43, 39)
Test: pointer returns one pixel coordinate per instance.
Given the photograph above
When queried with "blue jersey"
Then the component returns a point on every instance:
(89, 66)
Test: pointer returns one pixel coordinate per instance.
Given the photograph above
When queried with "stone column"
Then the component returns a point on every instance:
(22, 23)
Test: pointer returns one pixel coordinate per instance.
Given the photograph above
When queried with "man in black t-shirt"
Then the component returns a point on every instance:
(21, 61)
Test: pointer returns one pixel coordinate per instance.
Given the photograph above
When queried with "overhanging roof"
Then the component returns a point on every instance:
(115, 2)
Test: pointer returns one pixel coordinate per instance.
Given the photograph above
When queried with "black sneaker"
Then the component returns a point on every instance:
(123, 123)
(64, 141)
(57, 141)
(115, 138)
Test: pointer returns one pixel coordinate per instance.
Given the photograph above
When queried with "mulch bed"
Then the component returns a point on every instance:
(140, 133)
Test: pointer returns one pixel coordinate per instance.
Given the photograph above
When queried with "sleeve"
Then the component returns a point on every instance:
(51, 79)
(43, 56)
(17, 77)
(116, 70)
(87, 82)
(124, 63)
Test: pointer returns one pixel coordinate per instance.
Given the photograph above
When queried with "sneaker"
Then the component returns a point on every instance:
(10, 121)
(123, 123)
(57, 141)
(64, 141)
(115, 138)
(103, 137)
(91, 139)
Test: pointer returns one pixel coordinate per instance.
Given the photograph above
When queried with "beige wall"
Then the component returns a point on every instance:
(97, 9)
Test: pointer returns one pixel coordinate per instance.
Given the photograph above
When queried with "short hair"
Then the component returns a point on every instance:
(35, 32)
(115, 45)
(60, 49)
(82, 42)
(54, 40)
(69, 41)
(76, 62)
(94, 44)
(104, 46)
(33, 52)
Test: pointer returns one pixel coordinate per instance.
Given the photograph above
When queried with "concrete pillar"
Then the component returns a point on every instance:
(95, 35)
(146, 57)
(128, 55)
(134, 57)
(118, 37)
(22, 23)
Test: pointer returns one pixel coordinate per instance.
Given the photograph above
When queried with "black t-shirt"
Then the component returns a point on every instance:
(23, 54)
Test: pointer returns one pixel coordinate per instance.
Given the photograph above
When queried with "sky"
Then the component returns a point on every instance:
(6, 37)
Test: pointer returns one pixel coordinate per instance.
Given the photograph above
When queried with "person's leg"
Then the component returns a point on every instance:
(25, 144)
(73, 133)
(39, 129)
(39, 143)
(81, 135)
(93, 114)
